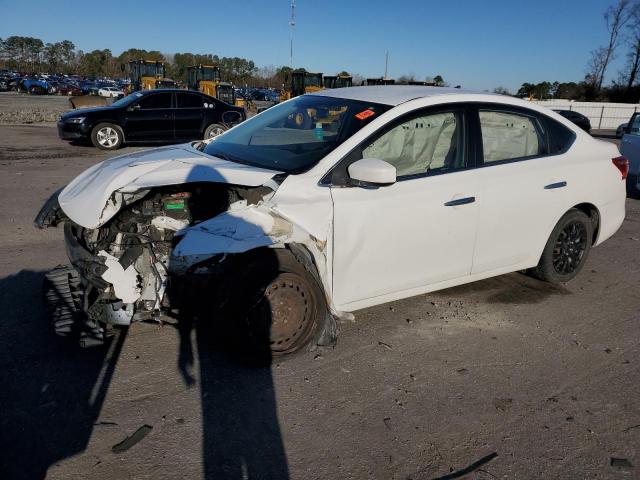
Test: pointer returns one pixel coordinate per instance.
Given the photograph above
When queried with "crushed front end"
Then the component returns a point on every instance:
(121, 270)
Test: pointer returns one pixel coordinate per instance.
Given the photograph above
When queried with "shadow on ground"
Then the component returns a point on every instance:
(52, 394)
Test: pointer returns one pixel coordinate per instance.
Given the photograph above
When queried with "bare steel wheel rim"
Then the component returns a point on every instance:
(569, 248)
(107, 137)
(288, 306)
(214, 132)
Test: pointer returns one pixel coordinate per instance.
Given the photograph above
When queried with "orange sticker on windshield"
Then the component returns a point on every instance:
(365, 114)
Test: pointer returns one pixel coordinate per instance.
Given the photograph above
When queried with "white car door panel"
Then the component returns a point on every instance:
(522, 191)
(519, 205)
(406, 235)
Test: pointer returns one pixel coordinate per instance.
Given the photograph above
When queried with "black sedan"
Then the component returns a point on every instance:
(577, 118)
(152, 115)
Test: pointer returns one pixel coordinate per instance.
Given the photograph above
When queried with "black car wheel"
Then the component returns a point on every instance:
(567, 249)
(107, 136)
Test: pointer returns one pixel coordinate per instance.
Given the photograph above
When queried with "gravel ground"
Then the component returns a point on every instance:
(23, 108)
(544, 377)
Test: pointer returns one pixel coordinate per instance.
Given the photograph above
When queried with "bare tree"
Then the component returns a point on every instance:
(616, 17)
(632, 68)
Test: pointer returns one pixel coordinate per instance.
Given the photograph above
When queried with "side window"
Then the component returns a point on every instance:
(508, 136)
(432, 142)
(189, 100)
(155, 101)
(635, 125)
(560, 137)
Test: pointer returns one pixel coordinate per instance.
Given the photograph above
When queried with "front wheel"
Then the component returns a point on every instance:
(567, 249)
(214, 130)
(107, 136)
(275, 305)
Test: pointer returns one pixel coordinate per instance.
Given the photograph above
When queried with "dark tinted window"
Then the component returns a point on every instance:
(560, 137)
(189, 100)
(157, 100)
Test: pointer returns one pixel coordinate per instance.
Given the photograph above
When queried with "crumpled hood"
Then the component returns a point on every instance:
(97, 194)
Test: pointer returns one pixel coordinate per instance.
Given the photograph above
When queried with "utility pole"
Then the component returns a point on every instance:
(292, 24)
(386, 64)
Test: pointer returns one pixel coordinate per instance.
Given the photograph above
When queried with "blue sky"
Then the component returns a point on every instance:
(479, 44)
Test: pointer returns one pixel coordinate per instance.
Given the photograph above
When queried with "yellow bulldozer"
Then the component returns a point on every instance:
(206, 79)
(338, 81)
(301, 82)
(148, 75)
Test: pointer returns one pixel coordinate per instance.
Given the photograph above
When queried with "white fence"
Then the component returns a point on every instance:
(600, 114)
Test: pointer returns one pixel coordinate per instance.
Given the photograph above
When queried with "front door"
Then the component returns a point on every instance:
(418, 231)
(150, 118)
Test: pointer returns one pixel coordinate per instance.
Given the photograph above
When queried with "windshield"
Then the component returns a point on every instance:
(293, 136)
(124, 101)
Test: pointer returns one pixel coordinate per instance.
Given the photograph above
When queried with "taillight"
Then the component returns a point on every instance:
(622, 164)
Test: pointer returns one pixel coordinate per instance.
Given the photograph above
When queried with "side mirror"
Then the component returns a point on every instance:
(372, 172)
(134, 107)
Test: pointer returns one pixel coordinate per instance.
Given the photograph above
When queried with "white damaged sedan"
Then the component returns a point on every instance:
(329, 203)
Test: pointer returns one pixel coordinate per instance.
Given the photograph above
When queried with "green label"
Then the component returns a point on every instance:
(174, 206)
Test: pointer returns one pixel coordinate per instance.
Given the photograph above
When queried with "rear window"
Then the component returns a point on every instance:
(189, 100)
(157, 100)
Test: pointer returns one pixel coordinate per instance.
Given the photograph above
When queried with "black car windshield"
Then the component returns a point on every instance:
(293, 136)
(124, 101)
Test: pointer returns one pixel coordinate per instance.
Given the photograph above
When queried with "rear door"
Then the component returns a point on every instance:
(524, 184)
(189, 115)
(150, 118)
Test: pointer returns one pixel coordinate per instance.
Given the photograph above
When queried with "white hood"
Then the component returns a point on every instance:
(97, 194)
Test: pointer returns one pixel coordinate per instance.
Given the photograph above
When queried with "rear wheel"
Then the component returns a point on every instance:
(567, 249)
(107, 136)
(214, 130)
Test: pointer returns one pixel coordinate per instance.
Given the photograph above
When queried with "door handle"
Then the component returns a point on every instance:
(551, 186)
(460, 201)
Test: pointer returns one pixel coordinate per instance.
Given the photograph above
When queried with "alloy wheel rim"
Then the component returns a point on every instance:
(107, 137)
(569, 248)
(216, 132)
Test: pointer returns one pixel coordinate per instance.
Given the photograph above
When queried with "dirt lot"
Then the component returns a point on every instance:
(21, 108)
(545, 377)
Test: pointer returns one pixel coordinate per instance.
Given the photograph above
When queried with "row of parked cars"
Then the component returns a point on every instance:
(60, 84)
(258, 94)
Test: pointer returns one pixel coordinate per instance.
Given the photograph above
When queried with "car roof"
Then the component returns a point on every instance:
(393, 94)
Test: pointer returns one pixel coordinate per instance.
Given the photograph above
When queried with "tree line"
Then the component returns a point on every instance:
(32, 55)
(622, 21)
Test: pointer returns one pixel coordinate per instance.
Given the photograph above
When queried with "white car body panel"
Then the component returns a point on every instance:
(374, 246)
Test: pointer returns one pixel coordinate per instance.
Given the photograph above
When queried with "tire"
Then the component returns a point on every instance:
(275, 306)
(214, 130)
(567, 249)
(107, 136)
